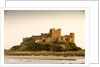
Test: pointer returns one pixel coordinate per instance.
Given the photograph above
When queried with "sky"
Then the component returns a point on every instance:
(19, 24)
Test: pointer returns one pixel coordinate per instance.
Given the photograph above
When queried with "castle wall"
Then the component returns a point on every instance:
(26, 39)
(50, 39)
(36, 37)
(45, 34)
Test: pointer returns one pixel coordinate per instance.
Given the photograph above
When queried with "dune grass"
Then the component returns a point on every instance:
(44, 53)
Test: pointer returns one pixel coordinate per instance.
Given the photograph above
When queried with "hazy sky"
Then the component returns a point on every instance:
(25, 23)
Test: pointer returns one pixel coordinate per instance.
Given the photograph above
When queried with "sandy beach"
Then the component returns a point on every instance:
(45, 57)
(44, 60)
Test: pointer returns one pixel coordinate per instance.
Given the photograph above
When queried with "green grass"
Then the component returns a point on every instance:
(47, 46)
(47, 43)
(44, 53)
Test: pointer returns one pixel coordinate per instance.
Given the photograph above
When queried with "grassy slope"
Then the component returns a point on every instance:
(46, 49)
(54, 46)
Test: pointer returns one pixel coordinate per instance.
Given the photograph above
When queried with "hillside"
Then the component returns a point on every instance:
(46, 46)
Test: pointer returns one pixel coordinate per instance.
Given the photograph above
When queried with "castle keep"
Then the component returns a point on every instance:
(52, 36)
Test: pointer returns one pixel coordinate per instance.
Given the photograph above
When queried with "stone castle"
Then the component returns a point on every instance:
(53, 36)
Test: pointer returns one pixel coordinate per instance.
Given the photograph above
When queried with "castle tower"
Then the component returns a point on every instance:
(55, 33)
(72, 37)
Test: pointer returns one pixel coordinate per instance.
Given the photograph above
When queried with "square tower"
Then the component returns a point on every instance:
(72, 37)
(55, 33)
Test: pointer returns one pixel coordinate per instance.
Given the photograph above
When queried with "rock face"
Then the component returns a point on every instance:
(52, 36)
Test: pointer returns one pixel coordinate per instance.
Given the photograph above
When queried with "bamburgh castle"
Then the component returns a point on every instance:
(53, 36)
